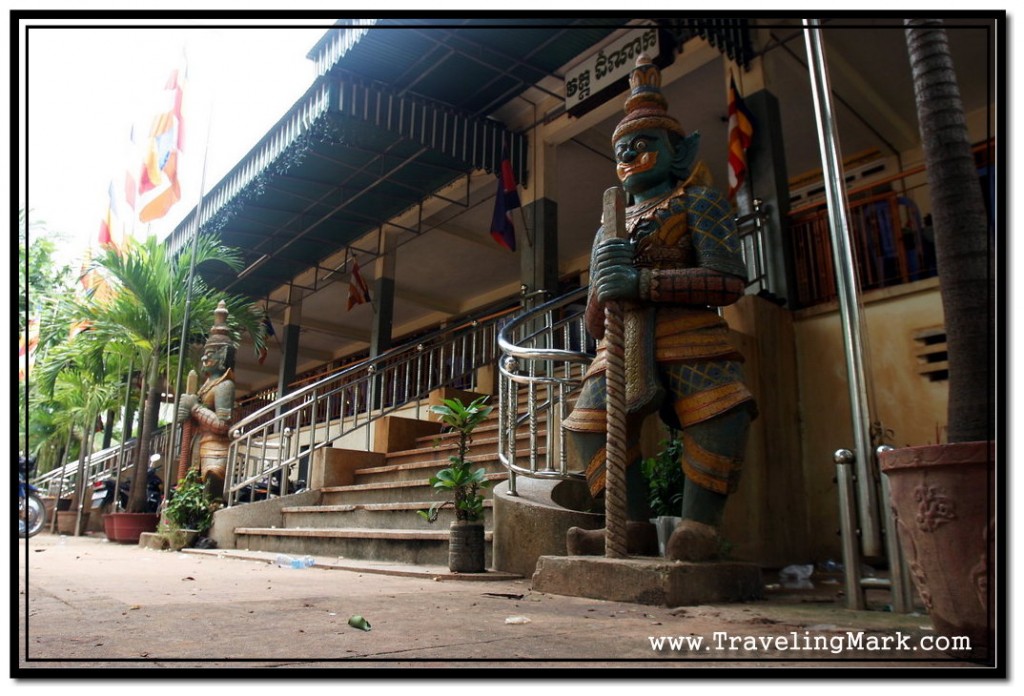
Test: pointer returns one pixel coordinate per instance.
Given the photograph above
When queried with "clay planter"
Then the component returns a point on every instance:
(466, 547)
(127, 527)
(943, 502)
(178, 539)
(66, 521)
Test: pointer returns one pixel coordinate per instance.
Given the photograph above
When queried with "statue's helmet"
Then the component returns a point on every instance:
(646, 107)
(219, 339)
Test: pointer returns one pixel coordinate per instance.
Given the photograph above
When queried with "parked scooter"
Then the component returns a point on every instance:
(268, 485)
(31, 512)
(103, 492)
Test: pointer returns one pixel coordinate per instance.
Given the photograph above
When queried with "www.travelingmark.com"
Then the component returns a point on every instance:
(809, 642)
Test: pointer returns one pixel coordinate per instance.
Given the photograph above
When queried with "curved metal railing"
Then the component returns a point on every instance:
(286, 434)
(545, 353)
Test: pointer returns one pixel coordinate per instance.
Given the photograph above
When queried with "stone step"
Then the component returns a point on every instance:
(412, 546)
(374, 515)
(411, 464)
(391, 491)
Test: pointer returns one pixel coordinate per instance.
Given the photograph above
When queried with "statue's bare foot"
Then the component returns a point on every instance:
(584, 542)
(692, 541)
(641, 540)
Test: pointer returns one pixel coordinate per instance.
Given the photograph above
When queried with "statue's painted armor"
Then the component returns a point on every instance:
(678, 357)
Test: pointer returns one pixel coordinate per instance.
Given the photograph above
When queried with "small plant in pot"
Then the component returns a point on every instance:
(665, 480)
(189, 511)
(463, 485)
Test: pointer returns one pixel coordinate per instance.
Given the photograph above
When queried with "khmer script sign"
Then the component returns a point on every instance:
(611, 63)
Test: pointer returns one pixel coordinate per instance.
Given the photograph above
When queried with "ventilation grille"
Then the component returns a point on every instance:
(930, 351)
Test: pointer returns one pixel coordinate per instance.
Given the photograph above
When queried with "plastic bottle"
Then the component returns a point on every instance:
(286, 561)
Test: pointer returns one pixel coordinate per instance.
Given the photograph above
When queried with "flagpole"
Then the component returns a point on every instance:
(188, 294)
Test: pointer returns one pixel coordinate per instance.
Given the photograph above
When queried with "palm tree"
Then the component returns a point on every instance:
(962, 243)
(143, 315)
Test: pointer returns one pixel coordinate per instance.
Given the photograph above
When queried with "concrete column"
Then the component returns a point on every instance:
(539, 257)
(383, 294)
(538, 242)
(289, 343)
(767, 176)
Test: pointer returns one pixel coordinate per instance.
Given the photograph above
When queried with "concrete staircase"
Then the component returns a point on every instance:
(374, 517)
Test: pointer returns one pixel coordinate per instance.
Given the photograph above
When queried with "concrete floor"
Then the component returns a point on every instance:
(87, 604)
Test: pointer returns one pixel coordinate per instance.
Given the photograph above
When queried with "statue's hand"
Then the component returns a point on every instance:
(185, 405)
(615, 277)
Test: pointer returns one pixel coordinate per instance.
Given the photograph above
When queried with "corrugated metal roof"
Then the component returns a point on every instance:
(475, 65)
(399, 112)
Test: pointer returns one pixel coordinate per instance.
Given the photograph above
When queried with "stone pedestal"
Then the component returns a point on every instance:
(645, 580)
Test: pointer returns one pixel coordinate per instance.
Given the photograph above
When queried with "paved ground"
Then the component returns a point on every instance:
(86, 604)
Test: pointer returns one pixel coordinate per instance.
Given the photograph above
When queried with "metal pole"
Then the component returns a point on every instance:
(188, 300)
(899, 573)
(844, 460)
(846, 287)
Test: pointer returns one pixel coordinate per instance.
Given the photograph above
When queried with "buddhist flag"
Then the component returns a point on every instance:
(27, 344)
(158, 187)
(111, 234)
(741, 134)
(505, 201)
(268, 330)
(358, 290)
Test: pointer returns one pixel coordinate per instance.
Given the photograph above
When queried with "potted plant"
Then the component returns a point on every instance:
(665, 480)
(944, 495)
(463, 485)
(125, 527)
(189, 512)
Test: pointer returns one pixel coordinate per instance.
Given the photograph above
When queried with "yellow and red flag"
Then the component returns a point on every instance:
(358, 290)
(27, 344)
(741, 134)
(158, 187)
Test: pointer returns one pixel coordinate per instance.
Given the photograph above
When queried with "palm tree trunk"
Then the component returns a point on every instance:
(150, 415)
(962, 242)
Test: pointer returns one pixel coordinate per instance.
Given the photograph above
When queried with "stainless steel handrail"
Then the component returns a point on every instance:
(60, 481)
(286, 434)
(546, 352)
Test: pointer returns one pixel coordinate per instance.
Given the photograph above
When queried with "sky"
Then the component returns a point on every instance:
(88, 86)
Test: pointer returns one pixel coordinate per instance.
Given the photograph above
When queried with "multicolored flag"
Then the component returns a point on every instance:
(158, 187)
(505, 201)
(358, 290)
(111, 234)
(27, 344)
(741, 134)
(268, 330)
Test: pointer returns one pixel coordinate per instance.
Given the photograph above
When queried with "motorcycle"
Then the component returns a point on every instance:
(103, 492)
(31, 512)
(267, 486)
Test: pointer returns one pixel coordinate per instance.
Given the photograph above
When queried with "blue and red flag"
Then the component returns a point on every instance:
(506, 200)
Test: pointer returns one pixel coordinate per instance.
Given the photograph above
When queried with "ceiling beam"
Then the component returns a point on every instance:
(474, 237)
(441, 304)
(333, 329)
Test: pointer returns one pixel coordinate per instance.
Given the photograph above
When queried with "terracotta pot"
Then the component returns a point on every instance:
(66, 521)
(943, 502)
(178, 539)
(127, 527)
(466, 547)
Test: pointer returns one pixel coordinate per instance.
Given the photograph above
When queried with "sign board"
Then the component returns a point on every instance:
(608, 66)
